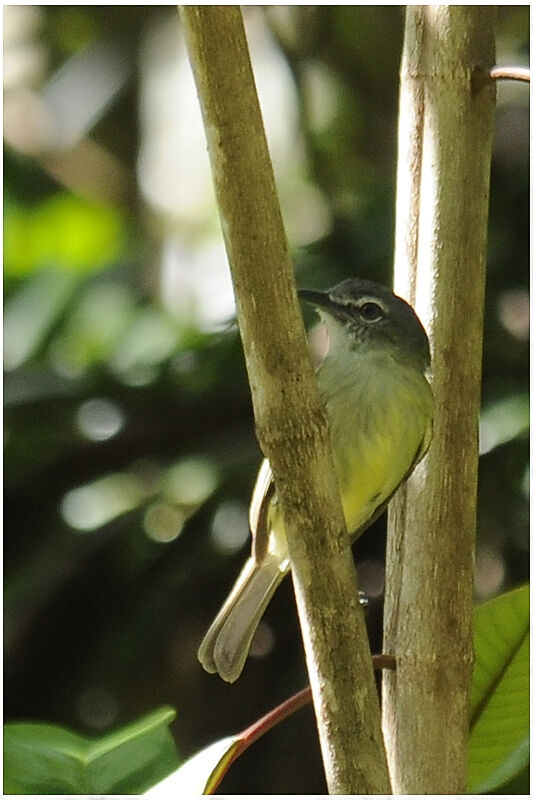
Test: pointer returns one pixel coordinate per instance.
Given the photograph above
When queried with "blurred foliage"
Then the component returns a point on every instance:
(62, 231)
(129, 446)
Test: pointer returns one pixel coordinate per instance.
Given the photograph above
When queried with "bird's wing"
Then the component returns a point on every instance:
(258, 516)
(423, 447)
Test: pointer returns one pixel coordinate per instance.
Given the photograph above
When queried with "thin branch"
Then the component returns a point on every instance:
(290, 421)
(510, 74)
(293, 704)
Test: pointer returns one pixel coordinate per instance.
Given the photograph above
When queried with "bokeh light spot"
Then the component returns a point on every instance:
(489, 571)
(229, 527)
(95, 504)
(97, 707)
(99, 419)
(190, 481)
(163, 522)
(513, 310)
(263, 641)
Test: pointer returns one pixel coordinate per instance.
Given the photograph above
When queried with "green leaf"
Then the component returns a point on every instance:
(48, 759)
(498, 746)
(202, 773)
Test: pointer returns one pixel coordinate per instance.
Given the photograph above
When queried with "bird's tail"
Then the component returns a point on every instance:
(226, 644)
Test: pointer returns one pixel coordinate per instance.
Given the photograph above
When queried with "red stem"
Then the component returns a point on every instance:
(284, 710)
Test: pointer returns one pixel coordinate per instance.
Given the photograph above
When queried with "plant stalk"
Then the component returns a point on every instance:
(290, 421)
(445, 137)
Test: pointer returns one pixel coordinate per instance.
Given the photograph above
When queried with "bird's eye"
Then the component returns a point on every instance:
(371, 312)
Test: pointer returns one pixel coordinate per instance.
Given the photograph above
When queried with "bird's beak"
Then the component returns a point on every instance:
(317, 299)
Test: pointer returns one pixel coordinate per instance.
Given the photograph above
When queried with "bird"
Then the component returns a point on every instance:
(373, 382)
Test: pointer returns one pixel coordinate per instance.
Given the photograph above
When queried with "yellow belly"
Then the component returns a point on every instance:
(374, 455)
(378, 432)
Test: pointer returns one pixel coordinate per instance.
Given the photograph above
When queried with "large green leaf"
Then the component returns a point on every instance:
(48, 759)
(498, 746)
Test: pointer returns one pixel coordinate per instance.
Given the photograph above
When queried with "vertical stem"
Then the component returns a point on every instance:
(445, 136)
(290, 421)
